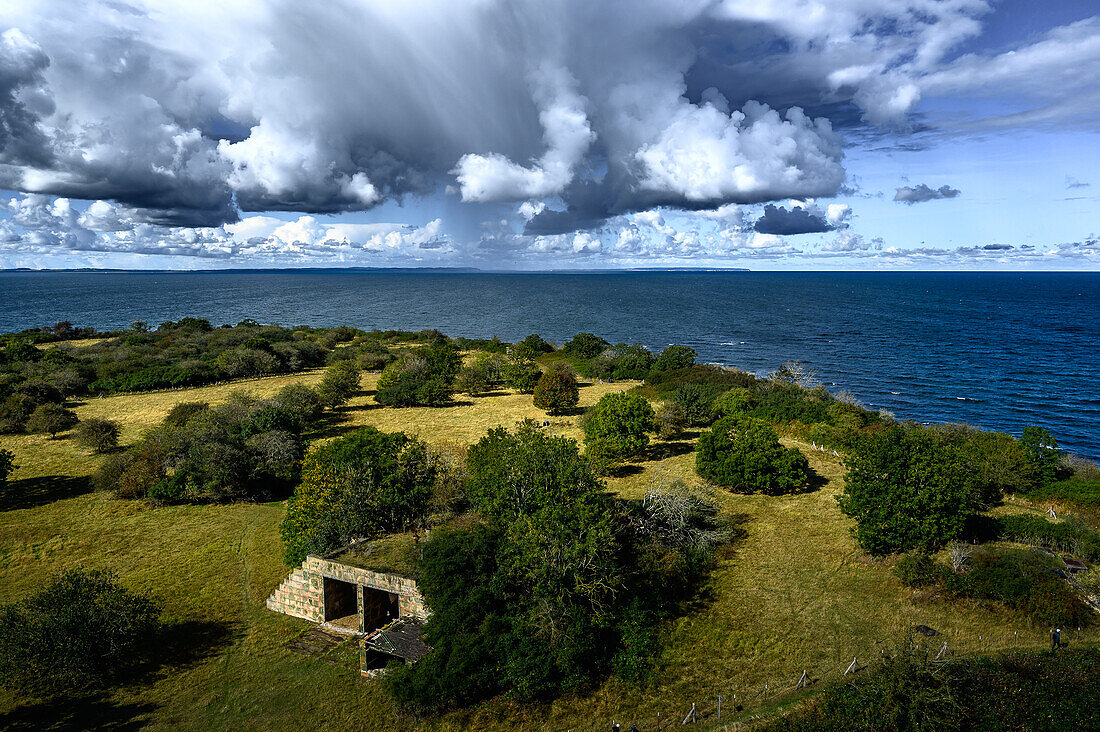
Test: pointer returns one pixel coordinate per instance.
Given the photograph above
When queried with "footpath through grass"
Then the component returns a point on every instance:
(793, 594)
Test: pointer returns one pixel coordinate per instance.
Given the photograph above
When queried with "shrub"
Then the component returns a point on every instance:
(675, 357)
(80, 632)
(585, 345)
(631, 362)
(696, 404)
(479, 376)
(556, 391)
(181, 413)
(357, 486)
(1037, 531)
(522, 375)
(1042, 454)
(98, 435)
(1022, 580)
(670, 420)
(916, 570)
(339, 384)
(302, 403)
(747, 457)
(532, 346)
(615, 427)
(50, 419)
(907, 490)
(7, 465)
(733, 403)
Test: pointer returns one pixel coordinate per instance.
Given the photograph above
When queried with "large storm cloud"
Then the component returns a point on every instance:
(187, 112)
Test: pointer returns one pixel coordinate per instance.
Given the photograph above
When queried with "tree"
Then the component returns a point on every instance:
(696, 403)
(532, 346)
(521, 374)
(481, 375)
(556, 390)
(358, 486)
(746, 456)
(410, 382)
(1041, 456)
(585, 345)
(907, 490)
(80, 632)
(50, 419)
(7, 465)
(631, 362)
(675, 357)
(615, 428)
(98, 435)
(339, 384)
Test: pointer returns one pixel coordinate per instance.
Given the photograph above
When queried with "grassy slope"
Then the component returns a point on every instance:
(794, 594)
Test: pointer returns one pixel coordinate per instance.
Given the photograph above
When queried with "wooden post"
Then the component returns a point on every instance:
(719, 707)
(802, 681)
(690, 715)
(850, 667)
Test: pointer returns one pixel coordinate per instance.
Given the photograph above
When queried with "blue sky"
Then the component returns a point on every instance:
(771, 134)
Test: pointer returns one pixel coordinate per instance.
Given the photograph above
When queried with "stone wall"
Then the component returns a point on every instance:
(302, 593)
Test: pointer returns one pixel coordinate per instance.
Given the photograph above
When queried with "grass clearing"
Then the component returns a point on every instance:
(794, 594)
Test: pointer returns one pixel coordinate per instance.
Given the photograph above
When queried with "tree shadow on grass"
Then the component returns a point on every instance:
(814, 481)
(181, 645)
(87, 712)
(672, 448)
(33, 492)
(625, 470)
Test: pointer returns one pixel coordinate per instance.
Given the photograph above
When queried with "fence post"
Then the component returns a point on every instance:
(851, 666)
(802, 680)
(719, 707)
(690, 715)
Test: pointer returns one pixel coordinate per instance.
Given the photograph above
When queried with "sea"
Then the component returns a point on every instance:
(996, 350)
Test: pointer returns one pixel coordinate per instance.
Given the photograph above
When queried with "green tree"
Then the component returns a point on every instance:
(410, 381)
(50, 419)
(339, 384)
(357, 486)
(675, 357)
(556, 391)
(585, 345)
(98, 435)
(7, 465)
(80, 632)
(907, 490)
(480, 375)
(532, 346)
(615, 427)
(1041, 456)
(521, 374)
(747, 457)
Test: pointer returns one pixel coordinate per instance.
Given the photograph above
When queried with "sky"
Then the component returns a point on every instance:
(550, 134)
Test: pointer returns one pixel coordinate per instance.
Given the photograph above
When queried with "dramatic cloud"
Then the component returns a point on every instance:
(921, 193)
(780, 221)
(565, 124)
(188, 111)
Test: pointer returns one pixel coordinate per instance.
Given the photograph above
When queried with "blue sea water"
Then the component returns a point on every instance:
(998, 350)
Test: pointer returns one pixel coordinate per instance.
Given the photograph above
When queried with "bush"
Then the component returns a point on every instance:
(747, 457)
(181, 413)
(481, 375)
(357, 486)
(585, 345)
(675, 357)
(670, 420)
(910, 691)
(916, 570)
(1066, 536)
(556, 391)
(339, 384)
(98, 435)
(82, 631)
(631, 362)
(1022, 580)
(50, 419)
(522, 375)
(532, 346)
(906, 489)
(696, 404)
(7, 465)
(615, 427)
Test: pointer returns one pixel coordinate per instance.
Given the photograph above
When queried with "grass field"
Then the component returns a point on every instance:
(793, 594)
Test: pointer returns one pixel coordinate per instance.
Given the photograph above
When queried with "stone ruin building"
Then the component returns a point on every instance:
(365, 590)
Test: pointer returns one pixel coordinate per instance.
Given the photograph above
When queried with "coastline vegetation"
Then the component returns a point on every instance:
(730, 527)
